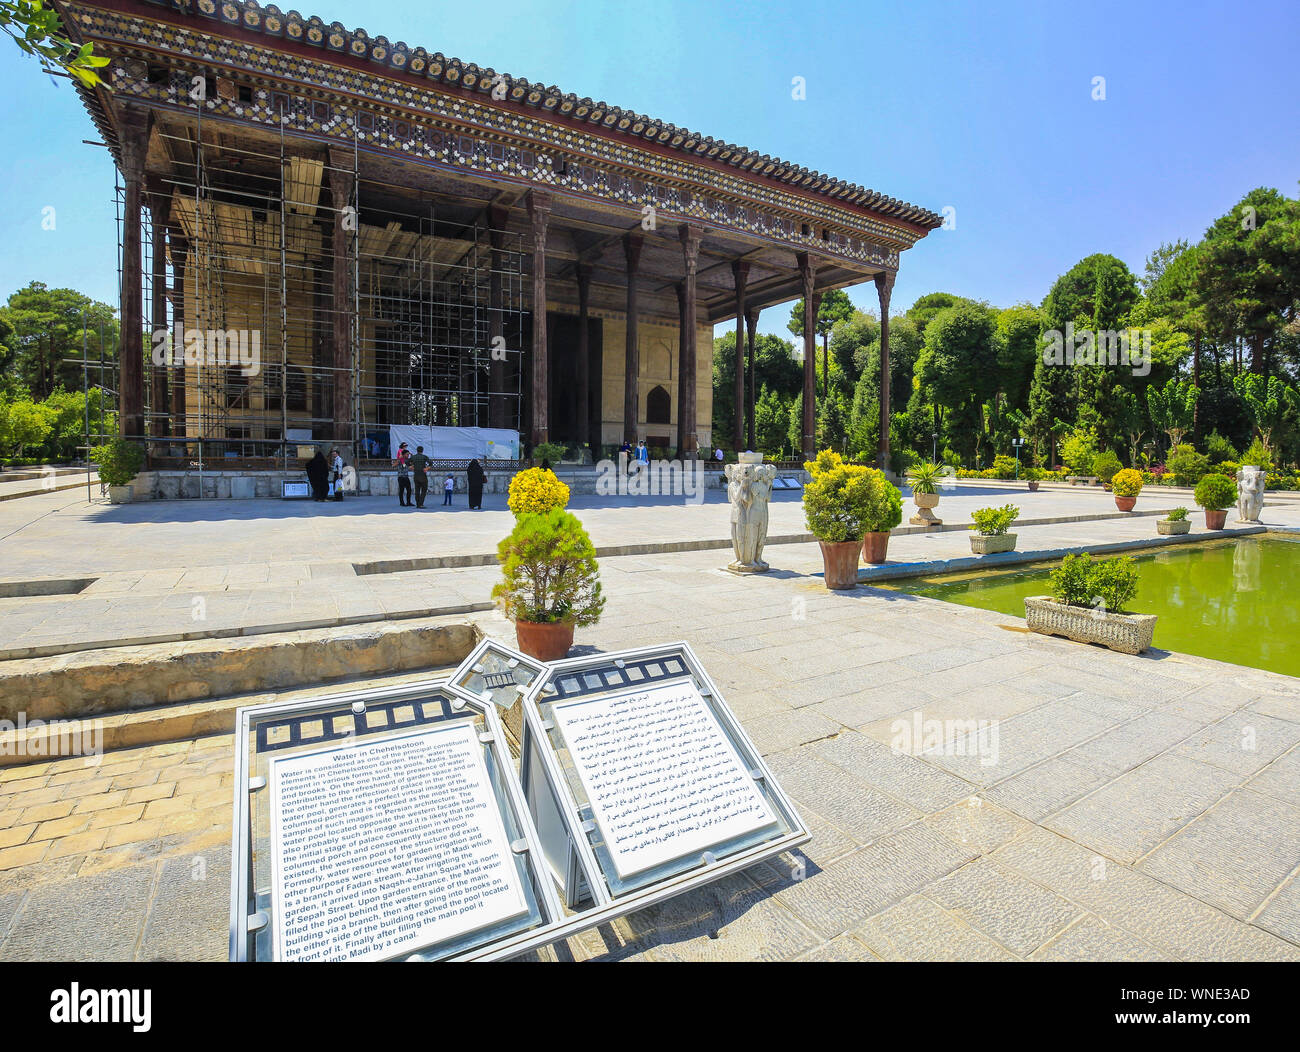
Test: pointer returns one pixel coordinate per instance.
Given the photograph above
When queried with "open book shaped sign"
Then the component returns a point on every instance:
(391, 823)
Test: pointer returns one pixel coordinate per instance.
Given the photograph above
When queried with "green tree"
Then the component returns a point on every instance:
(1270, 402)
(50, 327)
(833, 308)
(957, 369)
(1173, 408)
(35, 27)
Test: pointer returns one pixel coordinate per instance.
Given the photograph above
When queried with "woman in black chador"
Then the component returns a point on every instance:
(318, 473)
(476, 477)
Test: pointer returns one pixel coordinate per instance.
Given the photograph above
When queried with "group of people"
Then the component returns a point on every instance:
(320, 472)
(416, 464)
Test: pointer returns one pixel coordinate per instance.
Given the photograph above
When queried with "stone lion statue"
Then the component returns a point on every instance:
(1251, 481)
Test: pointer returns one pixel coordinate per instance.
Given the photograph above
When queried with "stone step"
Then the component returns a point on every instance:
(96, 683)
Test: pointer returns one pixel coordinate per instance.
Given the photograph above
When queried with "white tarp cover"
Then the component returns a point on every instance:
(457, 443)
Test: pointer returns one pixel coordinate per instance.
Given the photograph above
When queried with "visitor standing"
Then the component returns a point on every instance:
(337, 468)
(420, 468)
(476, 478)
(403, 463)
(718, 455)
(318, 474)
(642, 455)
(448, 488)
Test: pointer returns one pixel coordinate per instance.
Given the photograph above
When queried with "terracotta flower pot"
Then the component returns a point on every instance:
(874, 546)
(840, 561)
(1125, 503)
(1215, 518)
(1033, 487)
(546, 642)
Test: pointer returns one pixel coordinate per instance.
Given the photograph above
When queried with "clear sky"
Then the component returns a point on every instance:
(986, 108)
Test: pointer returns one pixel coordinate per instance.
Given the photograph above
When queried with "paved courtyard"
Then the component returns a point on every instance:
(1131, 808)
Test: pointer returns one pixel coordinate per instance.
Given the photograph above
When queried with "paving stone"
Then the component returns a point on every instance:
(1281, 914)
(1046, 787)
(1133, 814)
(847, 801)
(844, 894)
(918, 929)
(1244, 743)
(903, 777)
(95, 919)
(1168, 919)
(1092, 939)
(1235, 855)
(1281, 778)
(189, 917)
(730, 920)
(1007, 907)
(1124, 747)
(840, 948)
(785, 730)
(979, 824)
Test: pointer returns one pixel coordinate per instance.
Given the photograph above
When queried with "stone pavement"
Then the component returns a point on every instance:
(1128, 808)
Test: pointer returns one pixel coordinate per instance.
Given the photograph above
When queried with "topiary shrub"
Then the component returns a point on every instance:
(1070, 580)
(844, 502)
(1176, 515)
(552, 452)
(1104, 466)
(534, 492)
(1004, 467)
(549, 571)
(1257, 455)
(1079, 450)
(1216, 492)
(1109, 585)
(1126, 483)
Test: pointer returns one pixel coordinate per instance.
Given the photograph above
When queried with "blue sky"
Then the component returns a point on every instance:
(986, 108)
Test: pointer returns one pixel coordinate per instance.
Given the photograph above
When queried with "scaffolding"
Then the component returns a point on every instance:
(430, 290)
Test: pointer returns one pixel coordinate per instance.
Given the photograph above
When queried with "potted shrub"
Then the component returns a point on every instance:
(991, 525)
(1127, 484)
(1216, 494)
(925, 479)
(1105, 466)
(841, 503)
(1087, 603)
(884, 512)
(1033, 476)
(550, 582)
(119, 461)
(1175, 522)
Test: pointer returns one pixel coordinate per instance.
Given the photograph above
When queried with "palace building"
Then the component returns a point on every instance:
(405, 238)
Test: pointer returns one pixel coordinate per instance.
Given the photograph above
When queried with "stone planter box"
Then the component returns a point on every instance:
(988, 544)
(119, 494)
(1167, 529)
(1127, 633)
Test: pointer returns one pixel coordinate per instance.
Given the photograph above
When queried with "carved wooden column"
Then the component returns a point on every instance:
(884, 288)
(342, 182)
(158, 309)
(687, 436)
(632, 357)
(498, 414)
(539, 211)
(133, 136)
(808, 275)
(740, 273)
(583, 425)
(751, 325)
(180, 255)
(826, 365)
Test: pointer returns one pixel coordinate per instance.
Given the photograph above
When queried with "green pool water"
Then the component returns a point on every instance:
(1235, 600)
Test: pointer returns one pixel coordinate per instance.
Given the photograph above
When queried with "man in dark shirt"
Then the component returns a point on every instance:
(420, 469)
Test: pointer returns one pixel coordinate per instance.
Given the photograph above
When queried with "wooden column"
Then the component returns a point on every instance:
(687, 429)
(498, 408)
(808, 275)
(180, 255)
(342, 182)
(158, 311)
(884, 288)
(751, 326)
(133, 137)
(583, 424)
(539, 211)
(632, 356)
(739, 274)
